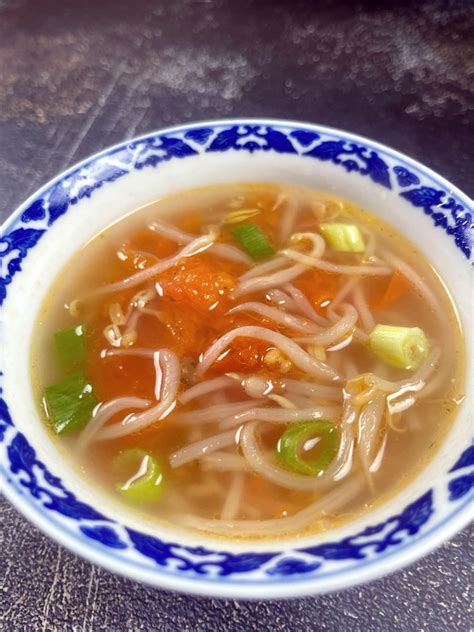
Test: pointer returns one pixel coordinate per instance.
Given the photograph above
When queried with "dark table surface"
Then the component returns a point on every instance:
(77, 76)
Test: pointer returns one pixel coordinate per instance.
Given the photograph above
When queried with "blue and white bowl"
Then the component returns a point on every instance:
(38, 239)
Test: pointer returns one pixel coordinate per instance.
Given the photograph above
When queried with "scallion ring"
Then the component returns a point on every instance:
(140, 475)
(320, 437)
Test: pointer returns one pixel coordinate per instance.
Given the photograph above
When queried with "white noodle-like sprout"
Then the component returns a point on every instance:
(283, 401)
(278, 316)
(289, 215)
(255, 386)
(318, 246)
(136, 316)
(369, 423)
(198, 245)
(170, 232)
(224, 462)
(395, 408)
(255, 279)
(233, 497)
(341, 296)
(336, 268)
(280, 298)
(224, 251)
(282, 415)
(416, 388)
(264, 466)
(104, 412)
(335, 333)
(141, 299)
(206, 387)
(378, 458)
(313, 258)
(300, 358)
(327, 504)
(117, 317)
(264, 268)
(298, 387)
(342, 464)
(417, 383)
(260, 283)
(216, 412)
(169, 365)
(304, 306)
(158, 374)
(361, 305)
(195, 451)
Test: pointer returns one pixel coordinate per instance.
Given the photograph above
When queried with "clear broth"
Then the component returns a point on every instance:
(190, 322)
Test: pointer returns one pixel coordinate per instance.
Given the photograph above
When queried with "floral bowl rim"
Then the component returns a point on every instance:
(42, 498)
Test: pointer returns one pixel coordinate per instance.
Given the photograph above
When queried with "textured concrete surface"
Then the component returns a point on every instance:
(78, 76)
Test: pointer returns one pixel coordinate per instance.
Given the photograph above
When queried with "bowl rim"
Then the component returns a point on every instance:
(388, 149)
(303, 586)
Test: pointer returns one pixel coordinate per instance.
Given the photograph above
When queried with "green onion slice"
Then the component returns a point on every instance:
(141, 474)
(343, 237)
(70, 346)
(69, 403)
(401, 347)
(320, 437)
(253, 240)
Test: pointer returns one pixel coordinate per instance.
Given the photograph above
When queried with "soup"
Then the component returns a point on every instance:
(249, 360)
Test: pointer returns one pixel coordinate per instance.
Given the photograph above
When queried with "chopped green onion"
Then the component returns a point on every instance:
(319, 436)
(343, 237)
(70, 346)
(69, 403)
(402, 347)
(253, 240)
(142, 476)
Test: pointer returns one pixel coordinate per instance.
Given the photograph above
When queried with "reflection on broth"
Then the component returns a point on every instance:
(249, 360)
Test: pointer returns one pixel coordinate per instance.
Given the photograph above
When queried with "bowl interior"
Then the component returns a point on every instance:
(62, 217)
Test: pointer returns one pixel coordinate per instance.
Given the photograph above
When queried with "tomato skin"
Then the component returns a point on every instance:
(245, 355)
(197, 283)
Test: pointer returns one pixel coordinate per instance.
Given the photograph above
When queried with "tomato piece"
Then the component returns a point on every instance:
(198, 283)
(114, 376)
(182, 330)
(134, 259)
(319, 287)
(397, 287)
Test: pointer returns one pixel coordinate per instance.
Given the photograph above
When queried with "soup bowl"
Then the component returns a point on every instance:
(41, 236)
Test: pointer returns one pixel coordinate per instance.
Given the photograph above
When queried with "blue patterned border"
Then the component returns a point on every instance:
(446, 210)
(47, 493)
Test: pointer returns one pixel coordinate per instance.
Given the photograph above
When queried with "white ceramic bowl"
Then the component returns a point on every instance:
(38, 239)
